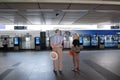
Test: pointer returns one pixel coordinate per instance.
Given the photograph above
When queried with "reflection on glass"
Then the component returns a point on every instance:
(71, 39)
(27, 38)
(64, 38)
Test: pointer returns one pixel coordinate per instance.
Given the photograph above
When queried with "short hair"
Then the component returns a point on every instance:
(57, 30)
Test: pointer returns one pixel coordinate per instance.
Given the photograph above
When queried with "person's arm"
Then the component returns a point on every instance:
(73, 43)
(51, 43)
(59, 44)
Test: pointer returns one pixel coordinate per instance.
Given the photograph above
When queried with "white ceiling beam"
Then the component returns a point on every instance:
(68, 1)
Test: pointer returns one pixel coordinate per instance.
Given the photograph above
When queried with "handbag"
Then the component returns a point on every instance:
(70, 53)
(75, 49)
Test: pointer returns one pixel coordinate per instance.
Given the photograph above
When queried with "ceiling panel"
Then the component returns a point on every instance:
(54, 6)
(50, 15)
(7, 14)
(48, 21)
(4, 12)
(68, 21)
(57, 6)
(23, 5)
(52, 21)
(34, 19)
(25, 12)
(19, 19)
(4, 20)
(3, 6)
(10, 18)
(102, 15)
(41, 13)
(53, 15)
(90, 21)
(83, 6)
(108, 7)
(95, 17)
(74, 15)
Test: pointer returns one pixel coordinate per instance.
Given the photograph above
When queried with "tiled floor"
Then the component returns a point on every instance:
(36, 65)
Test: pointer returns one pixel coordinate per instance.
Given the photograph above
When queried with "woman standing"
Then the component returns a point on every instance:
(76, 51)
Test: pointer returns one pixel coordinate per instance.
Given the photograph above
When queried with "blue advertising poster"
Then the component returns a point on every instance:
(119, 39)
(102, 39)
(107, 39)
(80, 40)
(16, 40)
(110, 41)
(94, 41)
(86, 41)
(37, 39)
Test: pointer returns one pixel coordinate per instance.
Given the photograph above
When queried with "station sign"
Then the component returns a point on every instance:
(115, 27)
(20, 27)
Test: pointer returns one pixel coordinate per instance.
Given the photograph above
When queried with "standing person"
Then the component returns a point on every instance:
(5, 44)
(56, 44)
(76, 51)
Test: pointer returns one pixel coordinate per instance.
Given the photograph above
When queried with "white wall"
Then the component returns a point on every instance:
(35, 30)
(20, 33)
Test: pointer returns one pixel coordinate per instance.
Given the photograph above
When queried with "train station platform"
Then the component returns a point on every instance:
(37, 65)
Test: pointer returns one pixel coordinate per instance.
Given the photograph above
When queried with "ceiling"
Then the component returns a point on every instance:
(35, 13)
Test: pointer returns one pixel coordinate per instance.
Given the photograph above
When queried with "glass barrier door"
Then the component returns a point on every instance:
(94, 41)
(111, 41)
(27, 42)
(86, 41)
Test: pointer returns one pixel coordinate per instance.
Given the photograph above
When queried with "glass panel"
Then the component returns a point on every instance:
(86, 41)
(94, 40)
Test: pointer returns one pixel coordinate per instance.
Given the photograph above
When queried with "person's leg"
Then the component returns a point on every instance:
(55, 62)
(75, 62)
(59, 50)
(78, 61)
(55, 65)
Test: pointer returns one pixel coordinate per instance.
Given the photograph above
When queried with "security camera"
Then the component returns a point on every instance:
(57, 14)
